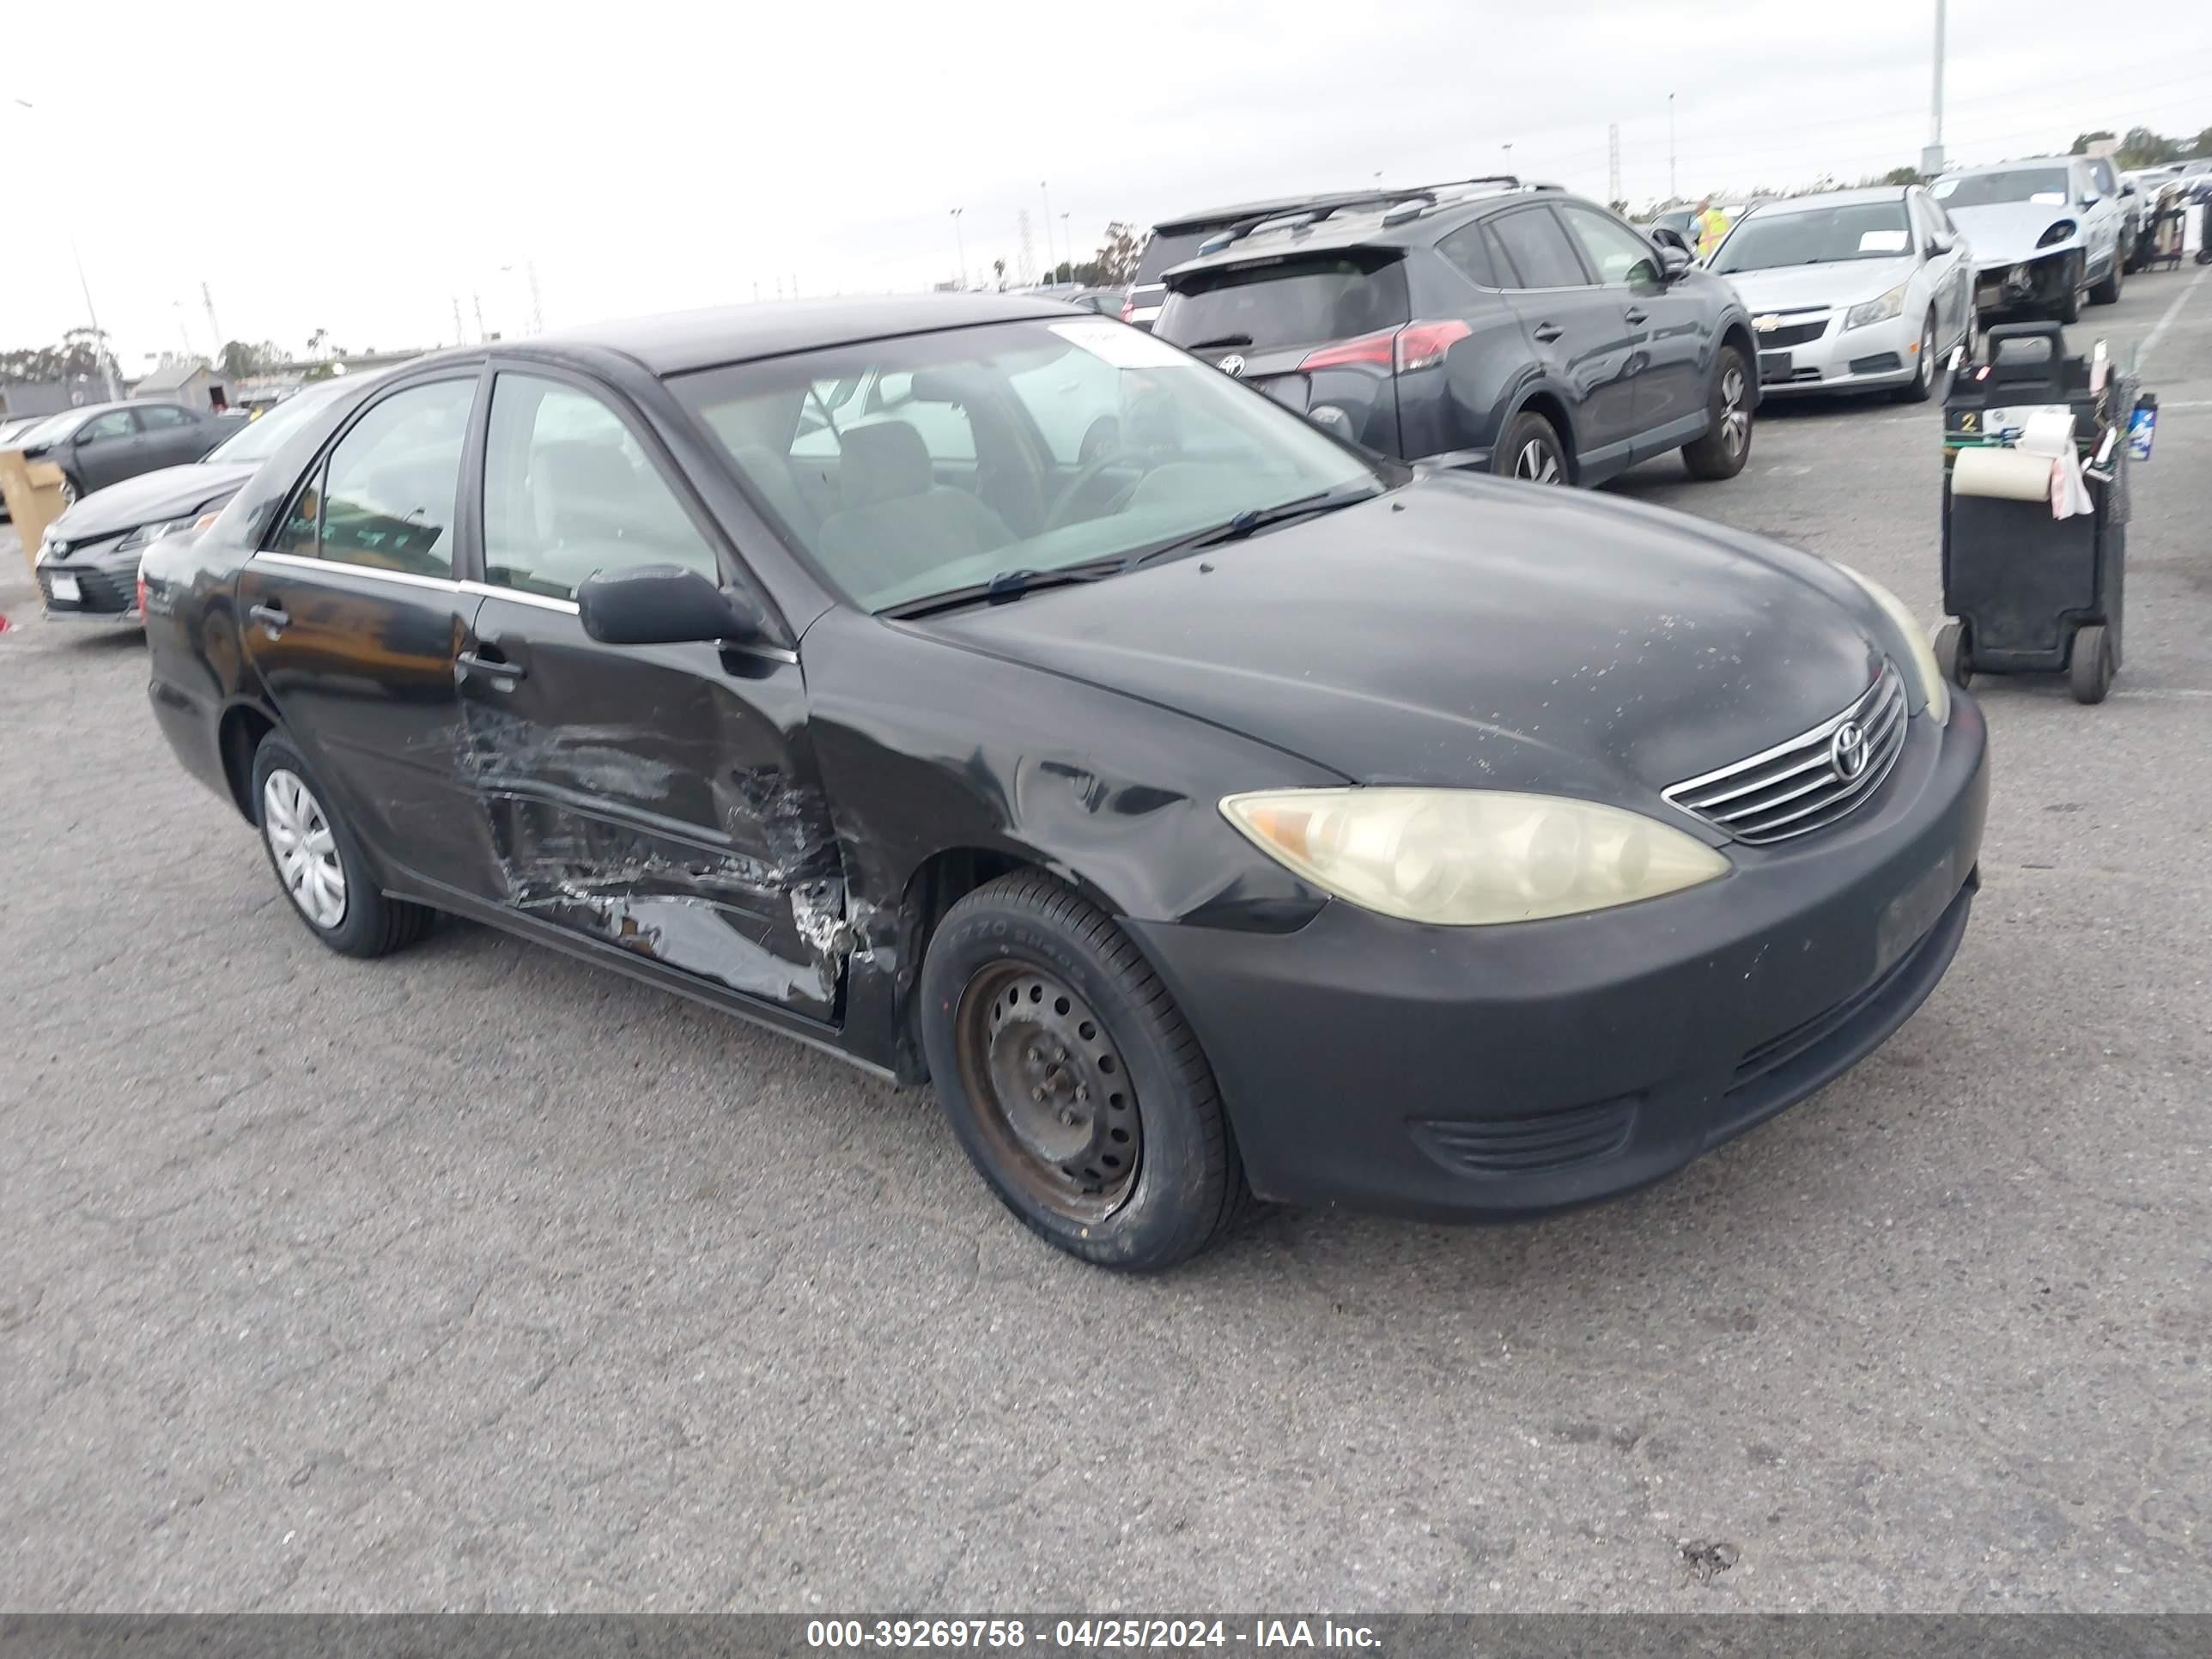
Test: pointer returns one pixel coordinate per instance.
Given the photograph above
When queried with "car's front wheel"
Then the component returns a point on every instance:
(319, 864)
(2107, 292)
(1923, 382)
(1722, 453)
(1073, 1082)
(2068, 308)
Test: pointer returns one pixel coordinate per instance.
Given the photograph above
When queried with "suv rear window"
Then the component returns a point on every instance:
(1168, 249)
(1288, 302)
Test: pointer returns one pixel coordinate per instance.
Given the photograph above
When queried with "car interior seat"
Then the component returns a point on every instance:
(896, 521)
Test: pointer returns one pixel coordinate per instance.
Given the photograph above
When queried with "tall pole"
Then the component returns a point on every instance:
(1508, 155)
(1067, 245)
(960, 245)
(1933, 161)
(214, 327)
(1051, 265)
(1674, 190)
(100, 350)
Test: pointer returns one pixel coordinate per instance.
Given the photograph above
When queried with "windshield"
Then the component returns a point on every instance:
(931, 463)
(1168, 248)
(2043, 185)
(259, 439)
(53, 428)
(1816, 236)
(1294, 302)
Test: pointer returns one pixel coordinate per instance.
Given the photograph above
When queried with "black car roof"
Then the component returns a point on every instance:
(1371, 224)
(681, 340)
(1205, 217)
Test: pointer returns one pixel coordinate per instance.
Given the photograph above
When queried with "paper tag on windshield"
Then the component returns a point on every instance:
(1881, 241)
(2049, 198)
(1121, 346)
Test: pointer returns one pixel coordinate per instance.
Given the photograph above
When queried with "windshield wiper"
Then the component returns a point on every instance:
(1006, 586)
(1218, 340)
(1253, 520)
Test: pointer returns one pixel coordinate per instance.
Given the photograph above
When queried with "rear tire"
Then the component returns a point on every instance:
(1071, 1081)
(1923, 369)
(308, 845)
(1531, 451)
(1722, 453)
(1954, 653)
(2107, 292)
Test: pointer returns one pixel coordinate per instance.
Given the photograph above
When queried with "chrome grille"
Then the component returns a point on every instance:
(1798, 787)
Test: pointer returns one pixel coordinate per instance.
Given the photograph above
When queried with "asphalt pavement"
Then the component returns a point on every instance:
(477, 1278)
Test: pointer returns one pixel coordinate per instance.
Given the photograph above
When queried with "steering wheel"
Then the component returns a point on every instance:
(1085, 476)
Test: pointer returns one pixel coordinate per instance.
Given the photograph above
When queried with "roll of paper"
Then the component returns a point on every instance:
(2005, 475)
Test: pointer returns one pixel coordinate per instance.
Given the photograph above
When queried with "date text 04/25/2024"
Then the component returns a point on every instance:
(1085, 1634)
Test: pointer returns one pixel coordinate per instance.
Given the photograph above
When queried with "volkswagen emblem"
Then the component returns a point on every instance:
(1847, 752)
(1232, 364)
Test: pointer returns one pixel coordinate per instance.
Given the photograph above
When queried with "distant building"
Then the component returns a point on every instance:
(188, 381)
(22, 397)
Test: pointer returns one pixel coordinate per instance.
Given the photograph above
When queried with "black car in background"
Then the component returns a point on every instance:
(101, 444)
(1487, 324)
(87, 563)
(1229, 812)
(1173, 241)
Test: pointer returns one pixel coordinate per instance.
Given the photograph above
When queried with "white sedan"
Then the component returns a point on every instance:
(1852, 290)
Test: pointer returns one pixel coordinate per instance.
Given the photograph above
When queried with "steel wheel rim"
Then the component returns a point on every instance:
(305, 848)
(1057, 1106)
(1736, 420)
(1927, 351)
(1536, 464)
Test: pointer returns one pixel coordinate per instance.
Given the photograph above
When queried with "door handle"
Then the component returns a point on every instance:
(490, 667)
(1636, 314)
(274, 617)
(1548, 332)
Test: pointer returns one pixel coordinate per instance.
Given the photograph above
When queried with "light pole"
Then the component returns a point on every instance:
(100, 350)
(1931, 160)
(1673, 192)
(1052, 265)
(1509, 157)
(1067, 245)
(960, 246)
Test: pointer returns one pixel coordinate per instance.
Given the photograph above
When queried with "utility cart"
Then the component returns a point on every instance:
(2026, 592)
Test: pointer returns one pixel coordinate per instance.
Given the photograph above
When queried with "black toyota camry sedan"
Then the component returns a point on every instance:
(994, 695)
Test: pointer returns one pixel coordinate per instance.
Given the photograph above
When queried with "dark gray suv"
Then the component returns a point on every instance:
(1481, 324)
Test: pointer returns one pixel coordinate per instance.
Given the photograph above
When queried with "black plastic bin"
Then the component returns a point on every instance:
(2027, 593)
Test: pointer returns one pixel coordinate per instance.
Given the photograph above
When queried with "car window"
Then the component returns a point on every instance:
(162, 415)
(303, 520)
(1774, 237)
(569, 490)
(391, 485)
(1165, 250)
(1285, 302)
(1617, 253)
(1076, 402)
(1470, 249)
(2101, 172)
(1538, 250)
(116, 423)
(2045, 186)
(945, 431)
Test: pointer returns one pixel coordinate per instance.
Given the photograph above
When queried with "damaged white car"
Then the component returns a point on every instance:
(2044, 233)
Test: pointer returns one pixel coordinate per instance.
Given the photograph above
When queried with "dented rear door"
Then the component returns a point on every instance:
(660, 800)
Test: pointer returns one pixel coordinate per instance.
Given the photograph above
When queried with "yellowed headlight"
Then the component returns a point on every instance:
(1934, 690)
(1471, 857)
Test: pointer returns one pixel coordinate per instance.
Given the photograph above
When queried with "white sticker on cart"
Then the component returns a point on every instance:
(1881, 241)
(1123, 347)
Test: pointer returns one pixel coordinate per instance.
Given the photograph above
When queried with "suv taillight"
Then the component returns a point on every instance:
(141, 592)
(1417, 345)
(1128, 310)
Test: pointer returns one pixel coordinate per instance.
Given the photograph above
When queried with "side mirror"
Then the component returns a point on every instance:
(663, 605)
(1666, 236)
(1673, 262)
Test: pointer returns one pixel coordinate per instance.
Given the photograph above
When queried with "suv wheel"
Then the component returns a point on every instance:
(319, 865)
(1722, 453)
(1073, 1082)
(1531, 451)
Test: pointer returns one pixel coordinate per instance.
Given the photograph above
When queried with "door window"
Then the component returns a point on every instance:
(389, 489)
(116, 423)
(569, 491)
(1617, 253)
(1468, 248)
(156, 417)
(1538, 249)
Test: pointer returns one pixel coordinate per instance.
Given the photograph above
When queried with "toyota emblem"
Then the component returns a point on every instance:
(1847, 752)
(1232, 364)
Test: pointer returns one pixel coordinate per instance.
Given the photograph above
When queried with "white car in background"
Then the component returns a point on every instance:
(2044, 231)
(1852, 290)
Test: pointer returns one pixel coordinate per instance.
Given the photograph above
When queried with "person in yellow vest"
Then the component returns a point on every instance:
(1711, 224)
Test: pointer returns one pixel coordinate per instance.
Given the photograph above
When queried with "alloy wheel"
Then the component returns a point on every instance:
(1927, 370)
(68, 491)
(306, 850)
(1538, 463)
(1735, 419)
(1053, 1094)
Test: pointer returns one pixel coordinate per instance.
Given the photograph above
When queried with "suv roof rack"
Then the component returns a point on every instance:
(1400, 206)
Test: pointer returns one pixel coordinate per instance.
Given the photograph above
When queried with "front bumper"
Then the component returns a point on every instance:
(1487, 1073)
(2039, 282)
(1883, 354)
(106, 580)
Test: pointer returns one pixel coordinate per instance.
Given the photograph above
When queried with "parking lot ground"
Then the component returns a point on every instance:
(476, 1278)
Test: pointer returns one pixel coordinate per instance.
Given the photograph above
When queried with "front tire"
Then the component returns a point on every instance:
(2107, 293)
(1722, 453)
(2068, 310)
(1923, 371)
(1071, 1081)
(319, 864)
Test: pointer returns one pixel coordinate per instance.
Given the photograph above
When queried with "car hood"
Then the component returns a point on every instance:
(1839, 283)
(149, 498)
(1472, 632)
(2005, 233)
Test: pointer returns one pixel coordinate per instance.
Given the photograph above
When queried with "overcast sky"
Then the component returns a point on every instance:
(359, 165)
